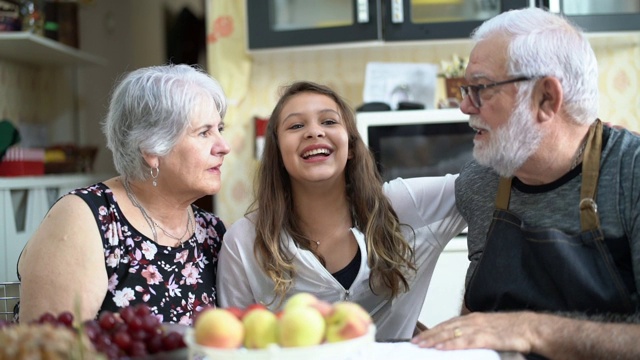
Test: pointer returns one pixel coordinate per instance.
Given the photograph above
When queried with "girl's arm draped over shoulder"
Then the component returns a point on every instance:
(427, 201)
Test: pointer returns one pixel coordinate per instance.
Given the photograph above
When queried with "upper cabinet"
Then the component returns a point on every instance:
(286, 23)
(598, 15)
(439, 19)
(28, 48)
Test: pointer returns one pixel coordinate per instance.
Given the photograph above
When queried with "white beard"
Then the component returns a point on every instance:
(511, 145)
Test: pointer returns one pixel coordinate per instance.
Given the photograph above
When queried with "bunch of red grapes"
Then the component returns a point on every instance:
(132, 333)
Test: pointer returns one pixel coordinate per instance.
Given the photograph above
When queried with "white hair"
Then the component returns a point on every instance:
(151, 108)
(546, 44)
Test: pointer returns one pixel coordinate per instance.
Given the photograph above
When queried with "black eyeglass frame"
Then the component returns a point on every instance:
(473, 91)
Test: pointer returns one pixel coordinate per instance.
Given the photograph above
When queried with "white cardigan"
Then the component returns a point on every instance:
(426, 204)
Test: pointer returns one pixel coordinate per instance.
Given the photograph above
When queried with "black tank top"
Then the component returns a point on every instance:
(173, 281)
(346, 276)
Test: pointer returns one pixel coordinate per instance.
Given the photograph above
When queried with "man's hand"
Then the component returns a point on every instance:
(498, 331)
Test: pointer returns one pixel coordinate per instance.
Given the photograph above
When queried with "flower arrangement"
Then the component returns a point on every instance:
(455, 68)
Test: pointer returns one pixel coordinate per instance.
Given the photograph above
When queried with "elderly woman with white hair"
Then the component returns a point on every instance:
(138, 238)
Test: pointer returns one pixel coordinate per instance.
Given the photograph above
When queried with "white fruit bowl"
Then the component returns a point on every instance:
(348, 349)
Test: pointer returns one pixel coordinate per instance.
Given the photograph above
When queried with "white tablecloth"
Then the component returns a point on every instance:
(405, 350)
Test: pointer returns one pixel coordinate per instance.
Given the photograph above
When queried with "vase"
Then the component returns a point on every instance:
(452, 88)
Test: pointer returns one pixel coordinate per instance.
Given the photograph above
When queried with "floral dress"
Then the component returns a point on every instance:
(173, 281)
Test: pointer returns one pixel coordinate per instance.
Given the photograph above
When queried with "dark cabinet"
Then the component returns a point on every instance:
(598, 15)
(286, 23)
(440, 19)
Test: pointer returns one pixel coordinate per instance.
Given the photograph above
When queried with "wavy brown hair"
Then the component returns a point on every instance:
(389, 256)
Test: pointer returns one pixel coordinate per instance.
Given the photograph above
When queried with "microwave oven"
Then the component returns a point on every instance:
(415, 143)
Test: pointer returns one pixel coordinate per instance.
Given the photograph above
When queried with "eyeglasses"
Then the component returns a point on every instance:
(473, 91)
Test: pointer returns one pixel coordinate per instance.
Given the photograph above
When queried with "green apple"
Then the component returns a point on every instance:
(218, 328)
(260, 329)
(346, 321)
(301, 326)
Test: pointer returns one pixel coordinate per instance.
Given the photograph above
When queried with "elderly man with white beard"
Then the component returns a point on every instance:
(552, 201)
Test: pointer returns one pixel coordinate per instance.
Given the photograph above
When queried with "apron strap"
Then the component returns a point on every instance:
(504, 193)
(589, 219)
(590, 172)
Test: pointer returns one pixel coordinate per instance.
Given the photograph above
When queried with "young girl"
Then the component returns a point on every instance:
(322, 221)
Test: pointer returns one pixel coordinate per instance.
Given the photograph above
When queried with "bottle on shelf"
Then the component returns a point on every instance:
(31, 12)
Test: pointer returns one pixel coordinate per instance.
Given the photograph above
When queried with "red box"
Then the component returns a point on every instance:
(21, 168)
(22, 162)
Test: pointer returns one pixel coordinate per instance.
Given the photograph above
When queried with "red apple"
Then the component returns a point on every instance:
(253, 307)
(239, 313)
(347, 321)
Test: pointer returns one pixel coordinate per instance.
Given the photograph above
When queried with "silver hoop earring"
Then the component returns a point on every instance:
(154, 177)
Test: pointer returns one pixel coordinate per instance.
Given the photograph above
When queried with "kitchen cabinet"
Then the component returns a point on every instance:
(440, 19)
(287, 23)
(598, 15)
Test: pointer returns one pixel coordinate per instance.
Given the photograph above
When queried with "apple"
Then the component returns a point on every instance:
(301, 326)
(260, 329)
(347, 321)
(323, 307)
(307, 299)
(218, 328)
(239, 313)
(254, 307)
(300, 299)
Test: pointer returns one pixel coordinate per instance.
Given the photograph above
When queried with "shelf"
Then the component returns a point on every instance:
(50, 180)
(33, 49)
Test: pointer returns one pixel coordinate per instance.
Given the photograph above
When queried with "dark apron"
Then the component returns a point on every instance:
(545, 269)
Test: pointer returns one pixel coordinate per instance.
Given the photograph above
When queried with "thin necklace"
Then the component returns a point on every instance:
(152, 224)
(332, 235)
(186, 229)
(579, 154)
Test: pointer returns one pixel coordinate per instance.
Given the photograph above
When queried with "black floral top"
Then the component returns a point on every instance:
(173, 281)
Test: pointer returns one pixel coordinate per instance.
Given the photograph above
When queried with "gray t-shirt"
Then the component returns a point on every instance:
(555, 205)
